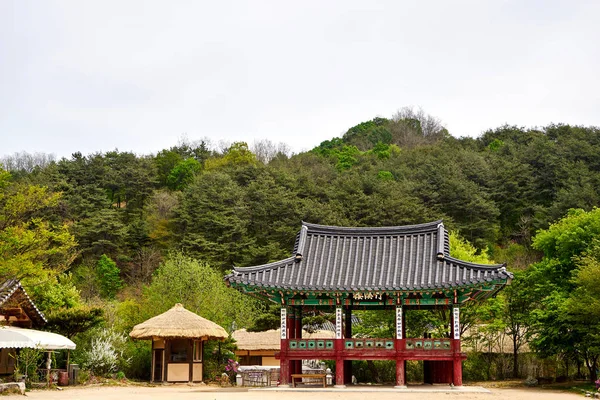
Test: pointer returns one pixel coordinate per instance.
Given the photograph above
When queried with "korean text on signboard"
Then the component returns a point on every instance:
(338, 323)
(456, 322)
(398, 322)
(283, 323)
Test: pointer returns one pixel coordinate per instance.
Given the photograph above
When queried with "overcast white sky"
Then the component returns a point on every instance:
(88, 76)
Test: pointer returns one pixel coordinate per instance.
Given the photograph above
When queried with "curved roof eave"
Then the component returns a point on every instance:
(401, 229)
(469, 264)
(264, 267)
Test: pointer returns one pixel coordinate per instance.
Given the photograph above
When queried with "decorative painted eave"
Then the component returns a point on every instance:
(413, 258)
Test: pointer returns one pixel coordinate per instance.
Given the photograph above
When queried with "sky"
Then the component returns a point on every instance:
(91, 75)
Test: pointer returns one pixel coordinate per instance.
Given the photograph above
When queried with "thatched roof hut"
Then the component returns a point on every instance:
(177, 343)
(178, 323)
(270, 340)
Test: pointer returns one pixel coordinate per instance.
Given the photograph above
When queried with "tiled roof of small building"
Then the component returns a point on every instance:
(397, 258)
(13, 290)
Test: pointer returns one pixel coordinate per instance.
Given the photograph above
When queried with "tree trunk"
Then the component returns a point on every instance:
(374, 371)
(515, 358)
(592, 365)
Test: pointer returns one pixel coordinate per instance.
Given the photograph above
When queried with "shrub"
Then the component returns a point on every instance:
(476, 367)
(414, 371)
(139, 354)
(26, 363)
(378, 371)
(83, 377)
(105, 352)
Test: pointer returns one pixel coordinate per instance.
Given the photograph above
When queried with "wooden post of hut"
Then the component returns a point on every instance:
(177, 339)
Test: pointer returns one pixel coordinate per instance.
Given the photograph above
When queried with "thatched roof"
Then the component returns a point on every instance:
(178, 323)
(270, 340)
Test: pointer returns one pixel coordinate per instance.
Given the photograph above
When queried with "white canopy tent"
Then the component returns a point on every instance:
(17, 338)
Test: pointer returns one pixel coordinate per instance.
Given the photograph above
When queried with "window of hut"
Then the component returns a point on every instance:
(179, 350)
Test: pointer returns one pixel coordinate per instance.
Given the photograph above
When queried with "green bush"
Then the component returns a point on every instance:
(27, 362)
(102, 351)
(379, 371)
(139, 353)
(476, 367)
(84, 376)
(216, 356)
(414, 371)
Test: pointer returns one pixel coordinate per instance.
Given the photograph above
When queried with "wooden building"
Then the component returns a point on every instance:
(177, 343)
(399, 268)
(16, 310)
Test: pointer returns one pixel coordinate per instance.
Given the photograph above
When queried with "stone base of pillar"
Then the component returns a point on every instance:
(339, 386)
(401, 387)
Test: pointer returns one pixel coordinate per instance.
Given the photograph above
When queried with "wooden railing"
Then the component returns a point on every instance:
(358, 344)
(412, 344)
(428, 344)
(311, 344)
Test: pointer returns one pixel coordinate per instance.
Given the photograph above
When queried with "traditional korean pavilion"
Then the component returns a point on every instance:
(395, 268)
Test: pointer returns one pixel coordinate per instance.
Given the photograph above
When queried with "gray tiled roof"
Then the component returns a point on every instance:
(398, 258)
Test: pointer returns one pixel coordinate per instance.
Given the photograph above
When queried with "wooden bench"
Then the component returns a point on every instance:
(308, 376)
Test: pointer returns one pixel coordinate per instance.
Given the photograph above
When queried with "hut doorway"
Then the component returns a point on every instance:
(158, 365)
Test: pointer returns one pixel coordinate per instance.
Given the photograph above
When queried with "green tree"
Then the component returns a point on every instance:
(586, 297)
(200, 288)
(562, 326)
(212, 220)
(237, 155)
(183, 174)
(102, 233)
(72, 321)
(108, 277)
(165, 161)
(32, 248)
(519, 303)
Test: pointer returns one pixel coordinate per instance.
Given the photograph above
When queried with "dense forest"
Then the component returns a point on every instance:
(103, 241)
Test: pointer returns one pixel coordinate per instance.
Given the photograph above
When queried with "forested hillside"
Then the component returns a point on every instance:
(120, 237)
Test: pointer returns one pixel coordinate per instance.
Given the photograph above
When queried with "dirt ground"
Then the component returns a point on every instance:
(215, 393)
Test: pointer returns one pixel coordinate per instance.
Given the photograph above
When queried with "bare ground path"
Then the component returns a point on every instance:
(214, 393)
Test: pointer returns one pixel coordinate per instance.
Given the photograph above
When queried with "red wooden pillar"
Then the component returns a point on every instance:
(339, 364)
(347, 335)
(284, 362)
(291, 323)
(284, 365)
(404, 341)
(298, 335)
(400, 373)
(339, 348)
(292, 335)
(400, 348)
(455, 333)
